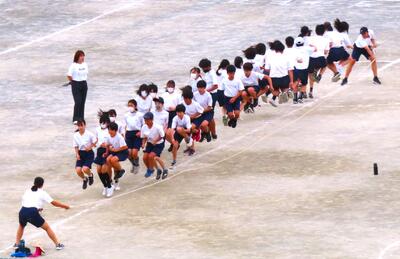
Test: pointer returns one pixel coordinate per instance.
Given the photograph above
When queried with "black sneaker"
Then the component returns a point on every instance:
(60, 246)
(191, 152)
(311, 95)
(164, 174)
(85, 183)
(230, 122)
(203, 137)
(246, 109)
(214, 136)
(186, 151)
(119, 174)
(170, 148)
(255, 102)
(208, 136)
(234, 123)
(295, 102)
(304, 95)
(159, 172)
(344, 81)
(91, 180)
(376, 81)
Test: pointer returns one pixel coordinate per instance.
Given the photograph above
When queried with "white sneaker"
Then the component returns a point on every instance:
(190, 142)
(264, 98)
(110, 192)
(104, 191)
(116, 186)
(135, 169)
(273, 103)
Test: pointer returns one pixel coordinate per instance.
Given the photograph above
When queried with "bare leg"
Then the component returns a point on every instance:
(20, 233)
(374, 67)
(50, 233)
(79, 172)
(349, 67)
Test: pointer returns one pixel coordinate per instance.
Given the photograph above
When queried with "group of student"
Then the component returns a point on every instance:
(276, 74)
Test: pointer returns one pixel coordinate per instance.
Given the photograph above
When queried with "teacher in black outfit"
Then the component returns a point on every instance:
(77, 75)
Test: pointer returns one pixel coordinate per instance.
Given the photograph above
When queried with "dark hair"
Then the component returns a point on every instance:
(77, 55)
(289, 41)
(304, 31)
(250, 52)
(133, 101)
(277, 46)
(142, 87)
(231, 69)
(104, 117)
(171, 82)
(186, 88)
(153, 88)
(204, 63)
(224, 63)
(180, 108)
(328, 26)
(196, 69)
(346, 26)
(320, 29)
(201, 84)
(112, 113)
(187, 93)
(238, 62)
(81, 122)
(113, 126)
(341, 26)
(261, 49)
(248, 66)
(37, 183)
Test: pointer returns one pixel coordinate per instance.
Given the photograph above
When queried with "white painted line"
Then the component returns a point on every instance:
(51, 35)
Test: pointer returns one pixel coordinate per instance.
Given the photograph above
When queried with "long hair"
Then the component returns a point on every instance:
(37, 183)
(78, 54)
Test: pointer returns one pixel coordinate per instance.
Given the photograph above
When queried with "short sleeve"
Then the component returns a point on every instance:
(187, 122)
(161, 131)
(222, 86)
(209, 103)
(174, 123)
(199, 108)
(93, 138)
(241, 86)
(70, 70)
(75, 142)
(46, 197)
(122, 142)
(142, 135)
(259, 75)
(214, 78)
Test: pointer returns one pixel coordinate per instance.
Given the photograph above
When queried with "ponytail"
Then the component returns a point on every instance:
(224, 64)
(37, 183)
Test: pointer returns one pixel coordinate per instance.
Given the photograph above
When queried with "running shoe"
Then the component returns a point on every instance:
(336, 77)
(149, 172)
(159, 172)
(164, 174)
(285, 97)
(173, 164)
(280, 98)
(344, 81)
(203, 137)
(376, 81)
(304, 95)
(311, 95)
(314, 75)
(85, 183)
(230, 123)
(234, 123)
(215, 136)
(300, 100)
(60, 246)
(135, 169)
(295, 102)
(110, 191)
(191, 152)
(318, 78)
(104, 191)
(273, 103)
(225, 120)
(116, 186)
(186, 151)
(290, 94)
(91, 180)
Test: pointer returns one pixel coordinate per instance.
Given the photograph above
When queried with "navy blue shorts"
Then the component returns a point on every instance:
(122, 155)
(302, 75)
(316, 63)
(30, 215)
(230, 107)
(178, 137)
(256, 88)
(280, 82)
(87, 158)
(132, 141)
(217, 97)
(156, 149)
(357, 52)
(197, 121)
(100, 160)
(171, 116)
(337, 54)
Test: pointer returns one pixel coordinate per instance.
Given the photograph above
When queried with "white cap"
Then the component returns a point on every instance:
(299, 41)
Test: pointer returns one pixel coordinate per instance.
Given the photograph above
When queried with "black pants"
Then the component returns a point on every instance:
(79, 92)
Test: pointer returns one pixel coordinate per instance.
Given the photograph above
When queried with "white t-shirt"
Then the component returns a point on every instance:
(78, 72)
(121, 127)
(193, 83)
(321, 43)
(117, 141)
(259, 60)
(193, 108)
(155, 132)
(239, 72)
(335, 38)
(278, 64)
(302, 56)
(171, 100)
(144, 105)
(101, 135)
(178, 122)
(84, 141)
(161, 118)
(362, 43)
(290, 53)
(346, 39)
(252, 80)
(134, 121)
(256, 68)
(220, 77)
(205, 100)
(211, 79)
(32, 199)
(232, 87)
